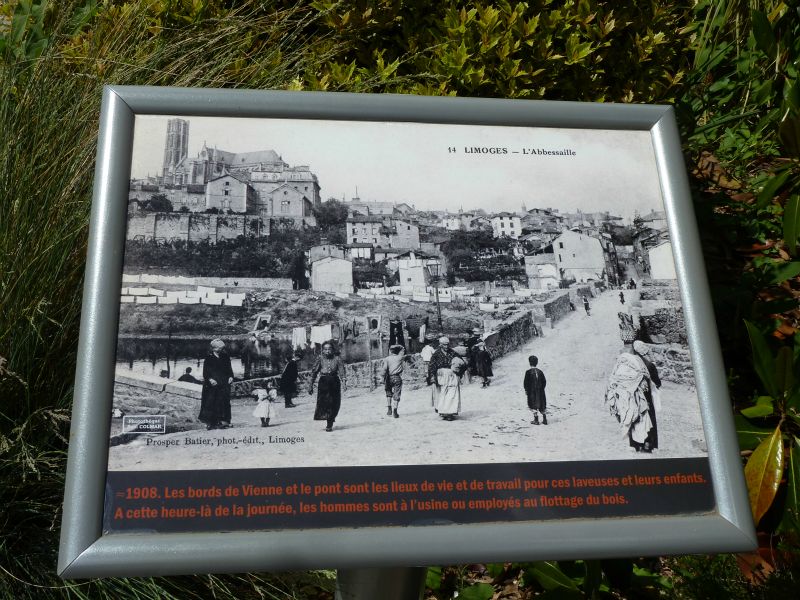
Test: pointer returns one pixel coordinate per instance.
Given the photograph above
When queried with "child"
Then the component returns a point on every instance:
(534, 385)
(393, 378)
(266, 403)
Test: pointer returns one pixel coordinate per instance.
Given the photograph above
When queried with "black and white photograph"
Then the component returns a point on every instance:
(318, 293)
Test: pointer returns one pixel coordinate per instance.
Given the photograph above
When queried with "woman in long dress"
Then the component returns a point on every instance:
(440, 361)
(215, 399)
(450, 382)
(633, 398)
(332, 382)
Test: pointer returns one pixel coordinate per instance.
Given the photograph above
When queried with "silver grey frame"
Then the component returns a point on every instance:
(85, 552)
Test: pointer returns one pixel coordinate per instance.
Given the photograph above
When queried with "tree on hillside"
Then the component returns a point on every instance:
(157, 203)
(331, 212)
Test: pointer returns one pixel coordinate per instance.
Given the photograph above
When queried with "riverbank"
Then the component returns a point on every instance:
(288, 309)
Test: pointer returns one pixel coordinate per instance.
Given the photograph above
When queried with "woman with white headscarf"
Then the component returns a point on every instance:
(632, 397)
(450, 383)
(439, 369)
(215, 400)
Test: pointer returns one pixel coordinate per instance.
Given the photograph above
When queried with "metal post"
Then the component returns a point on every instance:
(392, 583)
(438, 306)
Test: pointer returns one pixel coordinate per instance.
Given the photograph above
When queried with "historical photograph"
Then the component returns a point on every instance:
(311, 293)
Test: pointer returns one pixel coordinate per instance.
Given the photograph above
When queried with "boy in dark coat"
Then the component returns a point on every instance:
(534, 385)
(483, 363)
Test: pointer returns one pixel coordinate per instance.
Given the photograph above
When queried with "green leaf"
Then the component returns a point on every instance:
(433, 578)
(791, 224)
(767, 193)
(762, 408)
(593, 579)
(478, 591)
(550, 577)
(784, 271)
(792, 95)
(763, 34)
(495, 569)
(762, 359)
(749, 435)
(791, 511)
(763, 473)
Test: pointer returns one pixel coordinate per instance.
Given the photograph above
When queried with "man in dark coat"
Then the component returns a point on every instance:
(288, 381)
(187, 377)
(534, 385)
(215, 401)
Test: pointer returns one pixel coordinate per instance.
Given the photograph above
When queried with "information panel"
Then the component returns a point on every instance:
(376, 323)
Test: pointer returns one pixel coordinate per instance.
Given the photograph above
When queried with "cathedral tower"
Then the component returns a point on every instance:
(176, 147)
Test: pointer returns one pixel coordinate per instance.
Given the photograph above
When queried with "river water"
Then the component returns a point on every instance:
(170, 357)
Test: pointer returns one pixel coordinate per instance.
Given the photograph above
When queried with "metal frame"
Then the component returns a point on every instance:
(85, 552)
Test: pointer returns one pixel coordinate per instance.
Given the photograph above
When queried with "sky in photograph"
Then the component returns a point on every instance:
(411, 162)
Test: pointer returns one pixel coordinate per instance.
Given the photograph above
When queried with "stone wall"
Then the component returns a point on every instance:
(660, 312)
(673, 363)
(664, 325)
(359, 375)
(255, 283)
(557, 308)
(659, 292)
(145, 395)
(192, 227)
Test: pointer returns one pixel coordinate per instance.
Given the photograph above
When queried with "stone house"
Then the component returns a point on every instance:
(662, 263)
(542, 271)
(230, 192)
(506, 224)
(579, 257)
(332, 274)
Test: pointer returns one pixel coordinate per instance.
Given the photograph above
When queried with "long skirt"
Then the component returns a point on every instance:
(329, 398)
(215, 404)
(450, 397)
(643, 433)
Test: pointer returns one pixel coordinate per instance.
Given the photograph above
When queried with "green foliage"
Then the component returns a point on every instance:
(577, 50)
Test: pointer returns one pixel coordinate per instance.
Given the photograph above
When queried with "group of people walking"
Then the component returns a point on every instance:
(632, 395)
(446, 369)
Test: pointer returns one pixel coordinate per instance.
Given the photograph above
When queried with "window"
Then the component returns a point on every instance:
(227, 183)
(561, 245)
(227, 192)
(355, 240)
(285, 206)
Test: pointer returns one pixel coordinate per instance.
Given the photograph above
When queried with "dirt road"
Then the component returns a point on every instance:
(494, 425)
